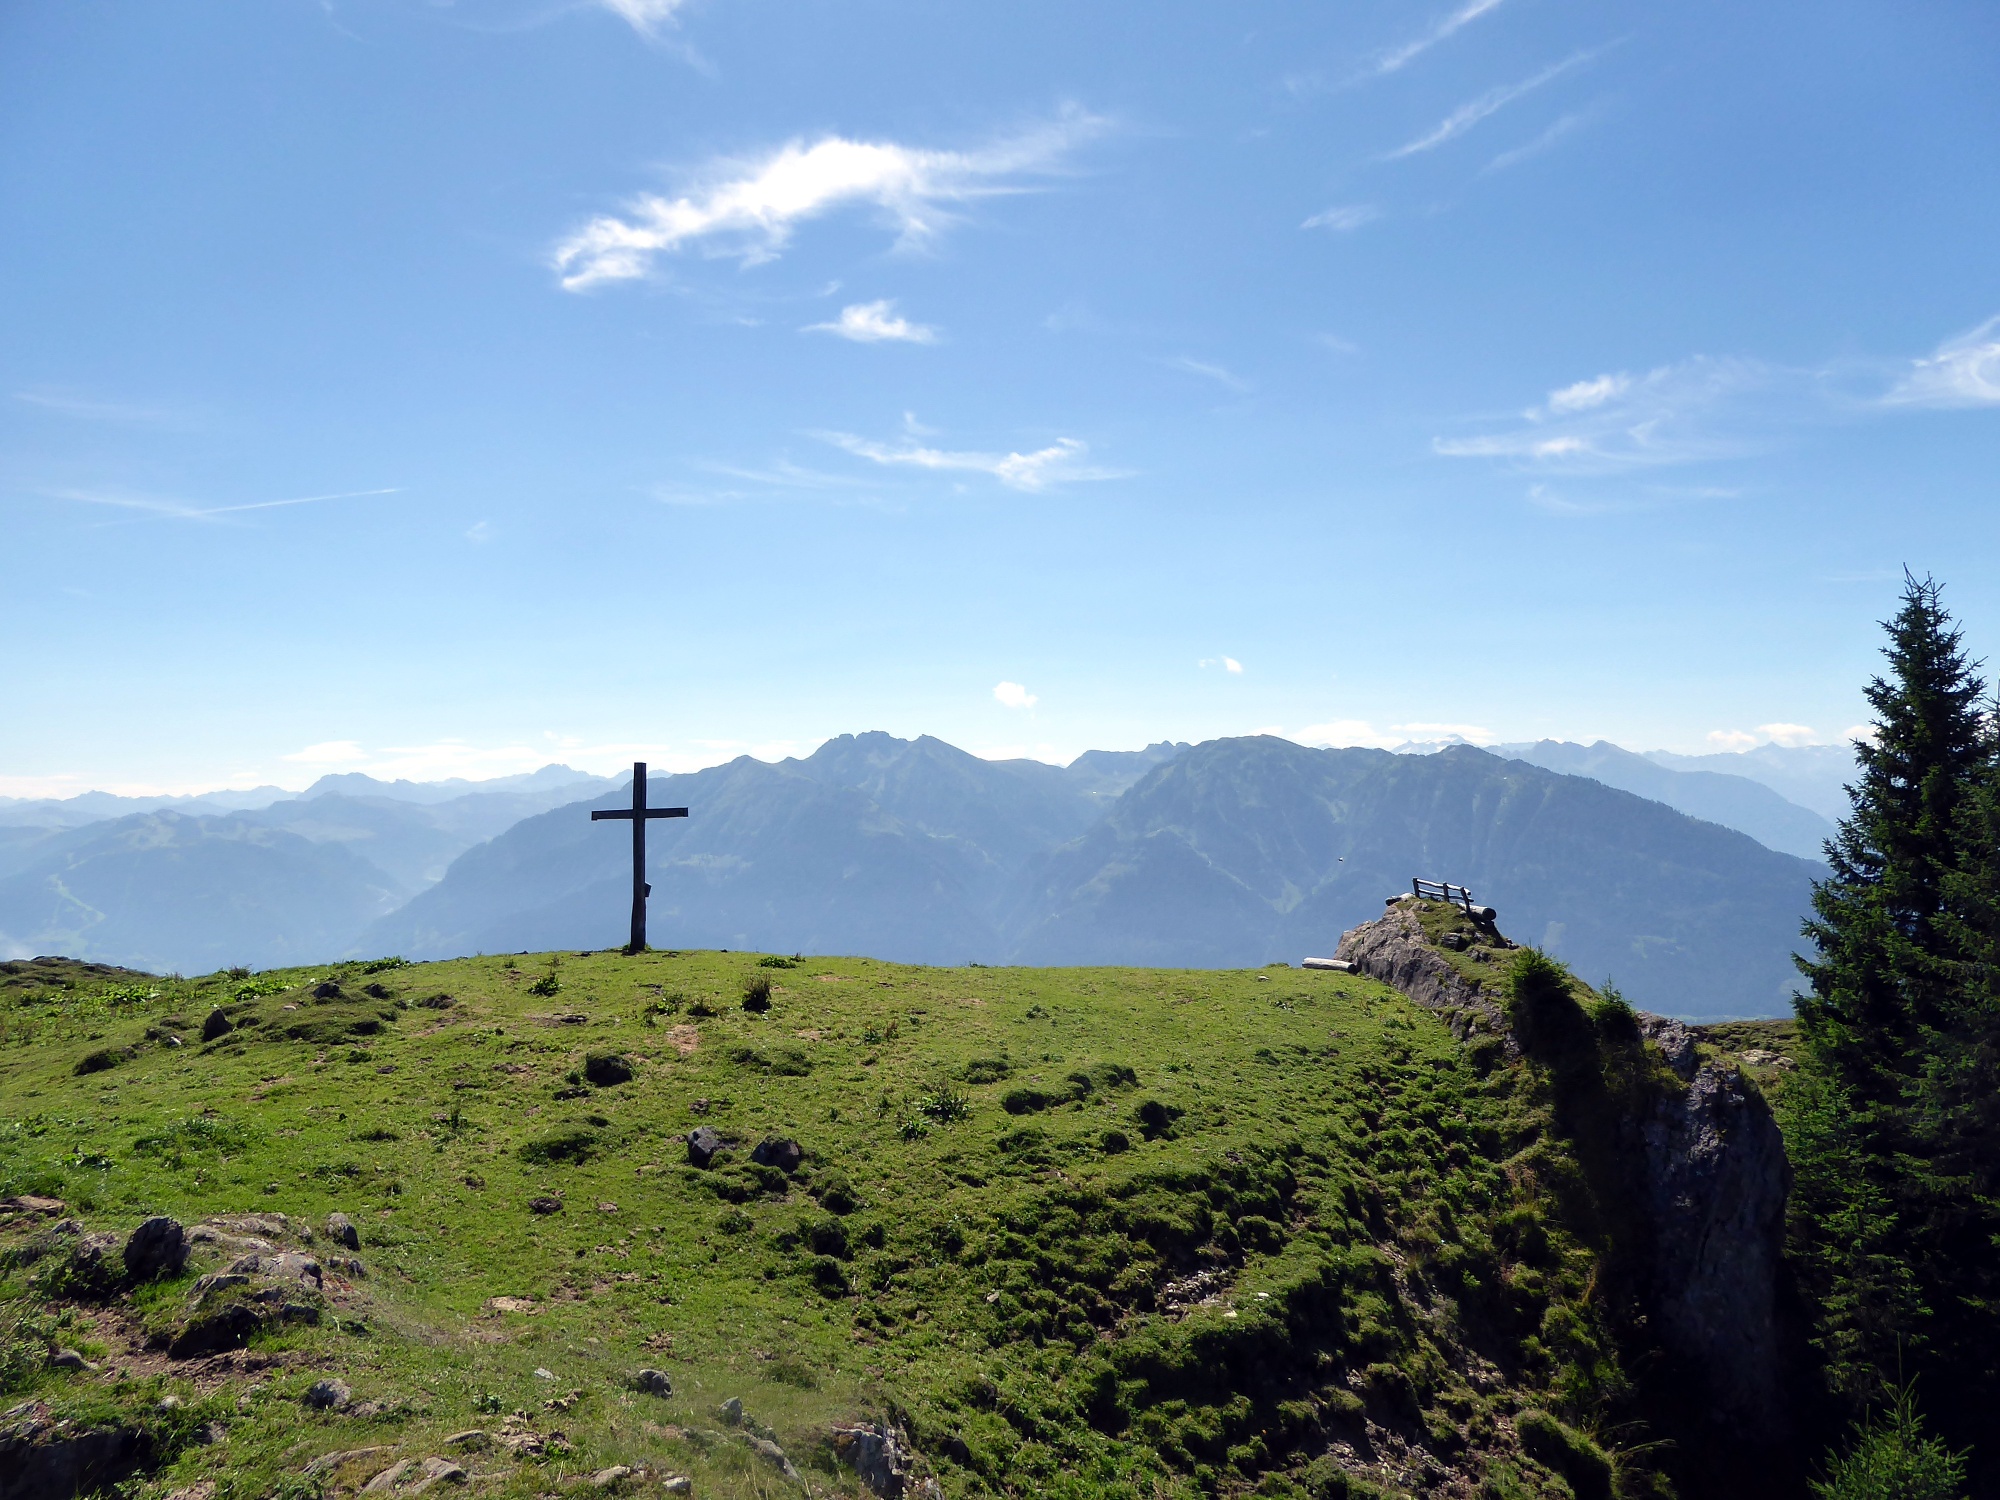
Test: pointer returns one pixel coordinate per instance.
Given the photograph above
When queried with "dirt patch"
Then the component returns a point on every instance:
(684, 1039)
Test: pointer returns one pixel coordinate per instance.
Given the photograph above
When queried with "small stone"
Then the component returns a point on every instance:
(326, 989)
(211, 1433)
(605, 1479)
(389, 1477)
(732, 1411)
(340, 1229)
(541, 1374)
(216, 1025)
(678, 1484)
(653, 1383)
(545, 1205)
(436, 1471)
(158, 1247)
(69, 1359)
(702, 1144)
(472, 1440)
(329, 1395)
(777, 1151)
(773, 1455)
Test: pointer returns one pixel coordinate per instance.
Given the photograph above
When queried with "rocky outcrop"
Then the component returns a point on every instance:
(1712, 1179)
(1394, 949)
(1715, 1184)
(46, 1457)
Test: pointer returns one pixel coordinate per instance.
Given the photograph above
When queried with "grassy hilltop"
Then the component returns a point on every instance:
(1078, 1232)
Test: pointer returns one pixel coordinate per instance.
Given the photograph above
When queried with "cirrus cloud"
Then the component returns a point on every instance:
(749, 208)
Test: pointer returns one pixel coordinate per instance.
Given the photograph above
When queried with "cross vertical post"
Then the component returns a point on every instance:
(639, 813)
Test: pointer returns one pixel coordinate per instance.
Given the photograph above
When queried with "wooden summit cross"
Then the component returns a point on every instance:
(639, 813)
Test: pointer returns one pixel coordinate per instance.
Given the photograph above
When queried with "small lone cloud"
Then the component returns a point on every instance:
(1188, 365)
(1013, 695)
(1343, 218)
(875, 323)
(1585, 394)
(1228, 664)
(478, 532)
(1059, 463)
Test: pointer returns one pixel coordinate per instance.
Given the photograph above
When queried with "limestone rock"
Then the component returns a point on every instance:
(340, 1229)
(653, 1383)
(329, 1395)
(777, 1151)
(702, 1144)
(611, 1478)
(158, 1247)
(773, 1455)
(876, 1454)
(1392, 948)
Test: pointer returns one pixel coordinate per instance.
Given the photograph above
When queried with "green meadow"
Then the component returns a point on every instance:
(1076, 1232)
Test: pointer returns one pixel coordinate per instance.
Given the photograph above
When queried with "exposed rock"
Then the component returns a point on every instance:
(410, 1477)
(732, 1411)
(79, 1264)
(1393, 949)
(677, 1484)
(777, 1151)
(216, 1025)
(703, 1143)
(773, 1455)
(69, 1359)
(340, 1229)
(28, 1203)
(1675, 1041)
(472, 1440)
(158, 1247)
(876, 1454)
(1716, 1183)
(611, 1478)
(545, 1205)
(45, 1458)
(329, 1395)
(326, 989)
(653, 1383)
(607, 1068)
(285, 1266)
(326, 1463)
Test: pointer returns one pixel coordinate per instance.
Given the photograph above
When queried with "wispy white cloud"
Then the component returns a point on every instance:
(1188, 365)
(177, 510)
(749, 209)
(1399, 57)
(1537, 146)
(1228, 664)
(1059, 463)
(647, 17)
(1013, 695)
(66, 403)
(1790, 736)
(1343, 218)
(875, 323)
(1489, 103)
(1965, 371)
(1698, 409)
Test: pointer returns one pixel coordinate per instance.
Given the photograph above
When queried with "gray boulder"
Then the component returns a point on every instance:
(329, 1395)
(777, 1151)
(875, 1453)
(340, 1229)
(702, 1144)
(158, 1247)
(653, 1383)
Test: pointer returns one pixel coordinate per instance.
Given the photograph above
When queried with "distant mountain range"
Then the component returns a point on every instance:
(1234, 852)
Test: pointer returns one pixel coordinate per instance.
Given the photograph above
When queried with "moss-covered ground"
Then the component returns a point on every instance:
(1079, 1232)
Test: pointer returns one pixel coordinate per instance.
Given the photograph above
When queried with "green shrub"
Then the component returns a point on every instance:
(1890, 1458)
(757, 992)
(1569, 1452)
(945, 1104)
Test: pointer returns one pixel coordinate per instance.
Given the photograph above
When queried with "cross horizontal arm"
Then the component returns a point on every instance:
(664, 812)
(599, 813)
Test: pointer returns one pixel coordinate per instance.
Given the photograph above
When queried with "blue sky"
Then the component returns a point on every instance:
(448, 388)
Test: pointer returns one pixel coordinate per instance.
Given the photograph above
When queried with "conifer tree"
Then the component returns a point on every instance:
(1885, 1119)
